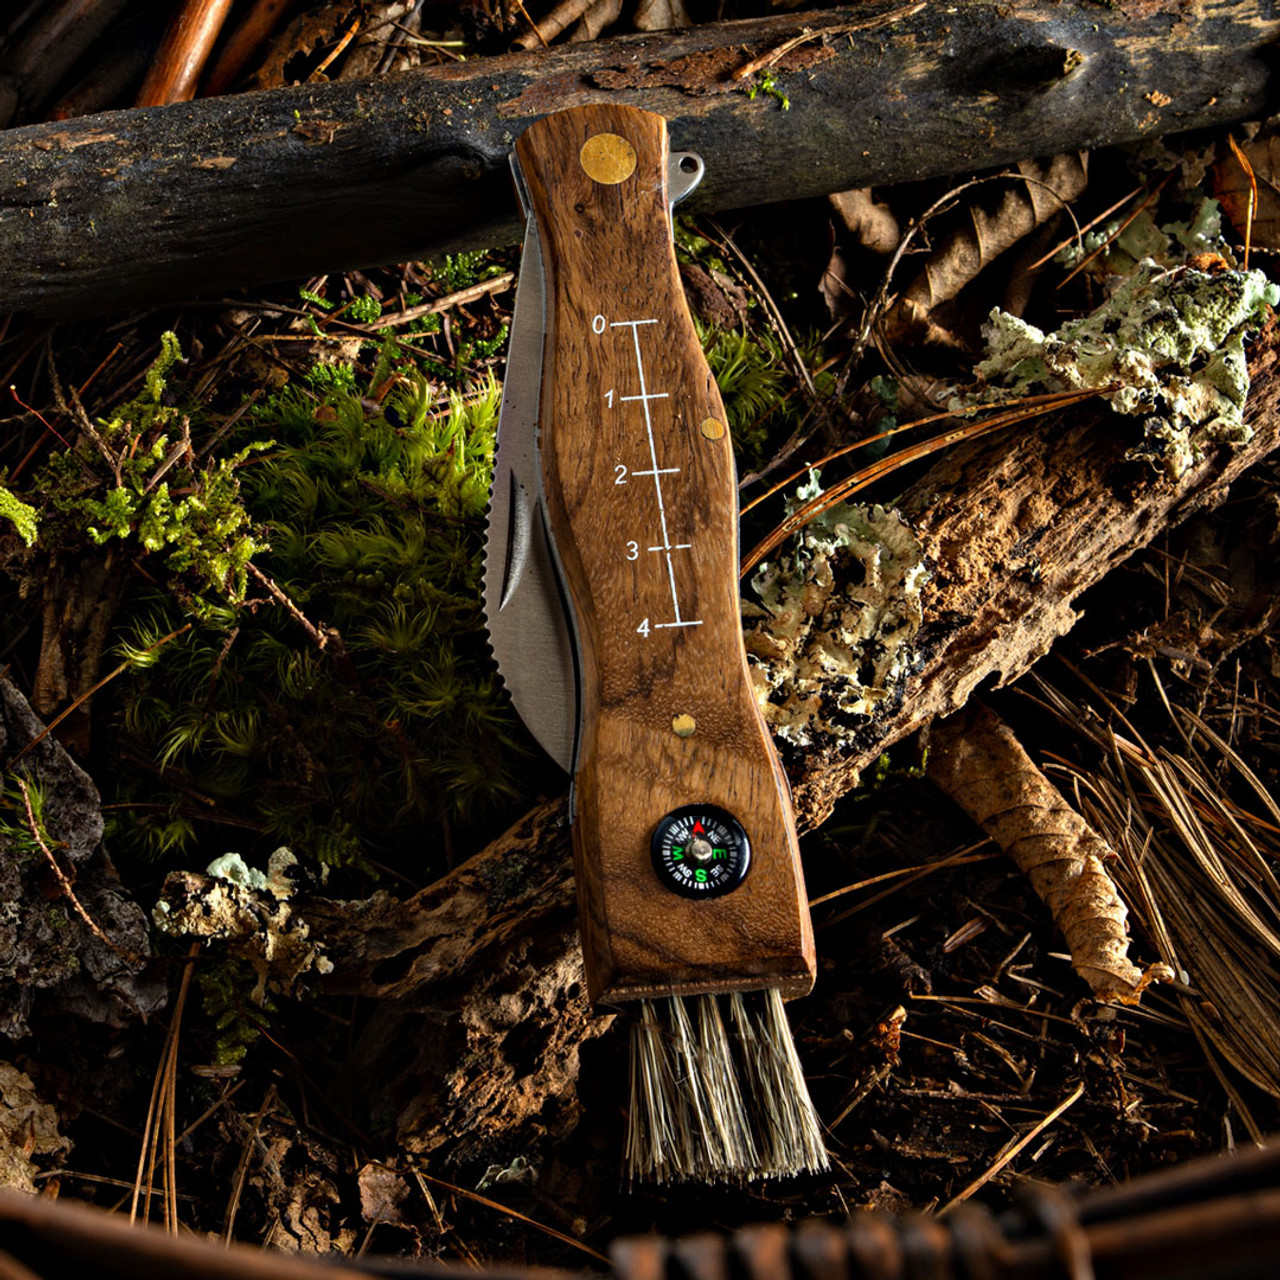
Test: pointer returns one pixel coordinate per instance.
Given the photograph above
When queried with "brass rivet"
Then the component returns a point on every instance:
(712, 429)
(684, 725)
(608, 159)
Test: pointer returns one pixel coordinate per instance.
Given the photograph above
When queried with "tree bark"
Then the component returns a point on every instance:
(126, 208)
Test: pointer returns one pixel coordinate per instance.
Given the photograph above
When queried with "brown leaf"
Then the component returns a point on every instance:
(382, 1192)
(306, 35)
(602, 15)
(1232, 188)
(986, 234)
(661, 15)
(870, 223)
(979, 763)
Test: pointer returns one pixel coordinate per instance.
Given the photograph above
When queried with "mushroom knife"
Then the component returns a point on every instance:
(611, 581)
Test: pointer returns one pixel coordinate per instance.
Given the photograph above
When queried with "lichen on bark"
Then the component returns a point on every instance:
(830, 643)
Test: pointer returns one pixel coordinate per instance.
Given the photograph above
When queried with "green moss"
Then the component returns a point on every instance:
(398, 725)
(237, 1021)
(140, 482)
(758, 388)
(24, 518)
(768, 85)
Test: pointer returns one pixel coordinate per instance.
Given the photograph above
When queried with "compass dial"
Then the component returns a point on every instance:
(700, 851)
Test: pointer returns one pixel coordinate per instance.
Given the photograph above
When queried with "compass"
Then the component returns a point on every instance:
(700, 851)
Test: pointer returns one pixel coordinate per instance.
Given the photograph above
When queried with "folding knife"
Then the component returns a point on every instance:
(611, 585)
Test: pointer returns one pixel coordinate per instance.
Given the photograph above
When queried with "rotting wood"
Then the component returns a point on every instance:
(1017, 528)
(127, 208)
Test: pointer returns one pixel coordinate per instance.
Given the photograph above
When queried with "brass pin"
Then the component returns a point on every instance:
(683, 725)
(712, 429)
(608, 159)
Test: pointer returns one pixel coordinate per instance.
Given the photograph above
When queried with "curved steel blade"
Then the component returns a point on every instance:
(524, 610)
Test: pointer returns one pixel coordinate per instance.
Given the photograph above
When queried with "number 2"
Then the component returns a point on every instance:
(619, 474)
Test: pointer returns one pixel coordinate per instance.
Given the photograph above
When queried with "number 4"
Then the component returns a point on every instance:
(643, 628)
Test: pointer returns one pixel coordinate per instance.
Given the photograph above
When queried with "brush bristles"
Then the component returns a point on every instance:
(714, 1106)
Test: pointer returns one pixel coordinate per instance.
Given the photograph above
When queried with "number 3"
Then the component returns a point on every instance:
(633, 551)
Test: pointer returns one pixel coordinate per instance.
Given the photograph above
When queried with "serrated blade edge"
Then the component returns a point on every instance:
(523, 604)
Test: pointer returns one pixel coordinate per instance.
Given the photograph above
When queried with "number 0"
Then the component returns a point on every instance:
(597, 325)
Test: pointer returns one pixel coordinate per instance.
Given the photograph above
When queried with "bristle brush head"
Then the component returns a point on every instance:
(719, 1096)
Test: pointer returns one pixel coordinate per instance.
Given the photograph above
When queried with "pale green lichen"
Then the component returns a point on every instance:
(1117, 247)
(831, 643)
(249, 911)
(1169, 342)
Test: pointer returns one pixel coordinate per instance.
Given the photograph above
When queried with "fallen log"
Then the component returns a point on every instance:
(136, 207)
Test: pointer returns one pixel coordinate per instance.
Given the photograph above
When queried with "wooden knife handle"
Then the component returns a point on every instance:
(642, 503)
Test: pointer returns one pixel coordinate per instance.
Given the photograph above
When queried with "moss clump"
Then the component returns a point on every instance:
(383, 722)
(758, 388)
(24, 518)
(135, 477)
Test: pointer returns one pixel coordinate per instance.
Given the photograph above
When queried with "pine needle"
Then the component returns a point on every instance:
(1032, 408)
(160, 1116)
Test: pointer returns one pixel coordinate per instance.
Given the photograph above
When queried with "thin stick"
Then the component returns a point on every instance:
(316, 76)
(64, 881)
(162, 1095)
(1117, 233)
(470, 294)
(242, 1168)
(502, 1208)
(1049, 398)
(959, 858)
(870, 24)
(869, 475)
(1011, 1151)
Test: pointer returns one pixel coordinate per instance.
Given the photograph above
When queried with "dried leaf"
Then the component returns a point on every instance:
(661, 15)
(602, 15)
(306, 35)
(1232, 187)
(28, 1127)
(382, 1192)
(370, 54)
(986, 235)
(979, 763)
(563, 16)
(871, 224)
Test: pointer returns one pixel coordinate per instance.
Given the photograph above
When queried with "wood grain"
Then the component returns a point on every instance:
(649, 566)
